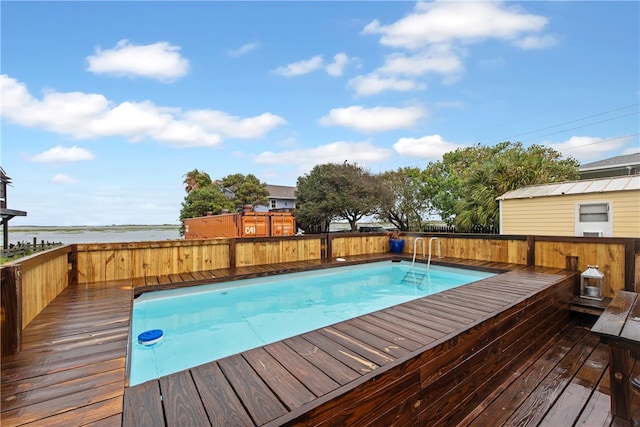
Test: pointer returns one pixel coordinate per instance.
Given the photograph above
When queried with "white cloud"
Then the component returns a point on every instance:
(180, 133)
(61, 154)
(632, 150)
(58, 112)
(377, 119)
(63, 179)
(446, 21)
(302, 67)
(437, 59)
(439, 33)
(336, 152)
(373, 84)
(430, 147)
(233, 126)
(161, 61)
(536, 42)
(244, 49)
(337, 67)
(86, 116)
(589, 148)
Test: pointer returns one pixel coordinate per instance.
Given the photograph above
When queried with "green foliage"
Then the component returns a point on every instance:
(404, 199)
(247, 190)
(196, 179)
(202, 200)
(462, 188)
(465, 185)
(231, 193)
(336, 191)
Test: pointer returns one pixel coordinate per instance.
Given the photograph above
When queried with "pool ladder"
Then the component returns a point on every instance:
(416, 278)
(415, 250)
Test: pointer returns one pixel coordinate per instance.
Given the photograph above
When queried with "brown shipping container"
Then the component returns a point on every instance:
(255, 224)
(209, 227)
(282, 224)
(248, 224)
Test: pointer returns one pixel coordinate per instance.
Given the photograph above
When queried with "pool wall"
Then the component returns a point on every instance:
(441, 383)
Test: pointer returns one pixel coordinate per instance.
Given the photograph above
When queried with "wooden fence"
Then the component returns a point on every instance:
(121, 261)
(29, 284)
(22, 249)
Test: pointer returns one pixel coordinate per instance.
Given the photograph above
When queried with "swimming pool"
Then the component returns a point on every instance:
(209, 322)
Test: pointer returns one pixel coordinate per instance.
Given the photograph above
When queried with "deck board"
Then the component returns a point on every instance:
(574, 397)
(181, 402)
(72, 367)
(287, 387)
(261, 403)
(140, 408)
(221, 402)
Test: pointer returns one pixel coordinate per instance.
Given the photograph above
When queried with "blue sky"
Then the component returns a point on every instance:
(106, 105)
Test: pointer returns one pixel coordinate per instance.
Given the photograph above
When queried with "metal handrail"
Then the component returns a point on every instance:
(415, 248)
(439, 254)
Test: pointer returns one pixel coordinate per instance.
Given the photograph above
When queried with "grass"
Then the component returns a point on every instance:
(26, 252)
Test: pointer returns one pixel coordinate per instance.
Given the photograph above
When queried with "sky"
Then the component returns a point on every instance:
(105, 106)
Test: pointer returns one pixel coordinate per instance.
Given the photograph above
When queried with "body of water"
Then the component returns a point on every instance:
(106, 234)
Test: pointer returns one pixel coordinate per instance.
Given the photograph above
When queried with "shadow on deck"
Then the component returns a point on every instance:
(490, 353)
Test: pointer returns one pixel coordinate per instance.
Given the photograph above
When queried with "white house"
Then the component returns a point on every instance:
(282, 198)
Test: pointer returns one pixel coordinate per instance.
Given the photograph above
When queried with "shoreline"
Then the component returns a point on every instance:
(100, 228)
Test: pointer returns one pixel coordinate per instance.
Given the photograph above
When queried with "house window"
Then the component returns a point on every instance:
(597, 212)
(273, 203)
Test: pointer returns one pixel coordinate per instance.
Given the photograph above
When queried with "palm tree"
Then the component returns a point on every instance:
(196, 179)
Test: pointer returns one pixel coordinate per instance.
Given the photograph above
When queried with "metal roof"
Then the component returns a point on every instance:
(605, 185)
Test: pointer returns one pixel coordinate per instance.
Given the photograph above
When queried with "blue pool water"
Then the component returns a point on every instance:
(209, 322)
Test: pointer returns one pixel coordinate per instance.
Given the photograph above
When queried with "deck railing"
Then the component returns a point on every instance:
(29, 284)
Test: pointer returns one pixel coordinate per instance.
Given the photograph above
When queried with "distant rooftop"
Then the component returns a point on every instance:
(281, 192)
(613, 162)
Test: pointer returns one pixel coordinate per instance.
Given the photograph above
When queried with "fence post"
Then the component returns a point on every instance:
(11, 301)
(531, 251)
(328, 254)
(72, 266)
(631, 265)
(232, 252)
(572, 263)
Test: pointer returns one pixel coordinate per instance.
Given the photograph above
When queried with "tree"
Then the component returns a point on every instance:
(196, 179)
(202, 200)
(336, 191)
(404, 199)
(205, 195)
(246, 190)
(445, 179)
(472, 178)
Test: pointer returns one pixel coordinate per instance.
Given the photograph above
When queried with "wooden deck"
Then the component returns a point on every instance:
(71, 370)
